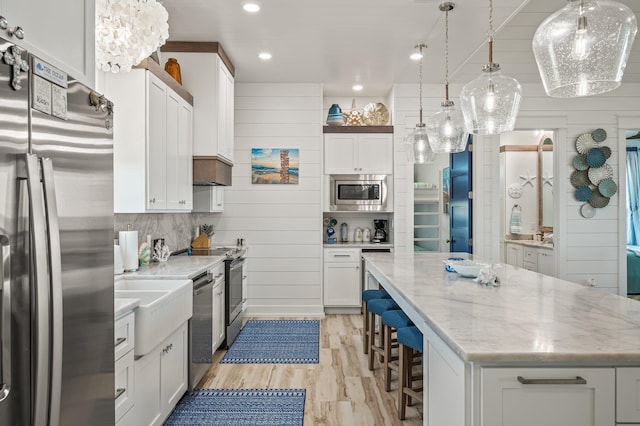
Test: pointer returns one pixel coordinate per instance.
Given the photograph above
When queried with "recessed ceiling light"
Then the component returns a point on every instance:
(357, 87)
(416, 56)
(251, 6)
(265, 56)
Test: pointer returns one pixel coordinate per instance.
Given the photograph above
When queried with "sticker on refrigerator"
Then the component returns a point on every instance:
(59, 106)
(49, 72)
(41, 95)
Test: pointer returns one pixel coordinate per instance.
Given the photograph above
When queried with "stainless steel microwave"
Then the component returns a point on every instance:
(358, 193)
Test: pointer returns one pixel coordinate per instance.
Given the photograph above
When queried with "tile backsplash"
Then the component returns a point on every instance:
(177, 229)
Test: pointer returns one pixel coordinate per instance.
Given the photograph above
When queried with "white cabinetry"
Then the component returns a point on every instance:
(354, 153)
(60, 32)
(123, 352)
(628, 395)
(536, 259)
(515, 255)
(152, 144)
(548, 396)
(205, 72)
(208, 199)
(161, 377)
(342, 276)
(218, 325)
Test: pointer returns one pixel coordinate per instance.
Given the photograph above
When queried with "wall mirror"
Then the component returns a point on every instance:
(545, 184)
(526, 170)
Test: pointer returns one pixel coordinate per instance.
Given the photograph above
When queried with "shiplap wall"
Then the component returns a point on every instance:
(280, 223)
(586, 248)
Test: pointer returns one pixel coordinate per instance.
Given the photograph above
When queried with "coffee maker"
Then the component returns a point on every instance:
(381, 230)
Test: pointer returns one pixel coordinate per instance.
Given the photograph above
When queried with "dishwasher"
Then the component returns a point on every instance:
(364, 278)
(200, 328)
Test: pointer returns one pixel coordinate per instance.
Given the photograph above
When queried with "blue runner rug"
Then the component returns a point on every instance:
(240, 407)
(276, 342)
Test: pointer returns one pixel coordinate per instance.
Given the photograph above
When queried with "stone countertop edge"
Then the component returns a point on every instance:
(353, 244)
(531, 243)
(122, 306)
(601, 329)
(178, 267)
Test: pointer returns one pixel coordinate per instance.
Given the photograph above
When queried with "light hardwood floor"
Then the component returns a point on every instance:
(340, 388)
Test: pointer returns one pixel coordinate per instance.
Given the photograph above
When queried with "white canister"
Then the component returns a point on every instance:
(357, 235)
(366, 235)
(118, 262)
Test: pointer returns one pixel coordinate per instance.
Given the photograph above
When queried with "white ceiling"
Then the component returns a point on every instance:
(343, 42)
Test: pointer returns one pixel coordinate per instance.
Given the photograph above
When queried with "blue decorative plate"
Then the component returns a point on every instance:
(596, 157)
(599, 135)
(580, 162)
(607, 187)
(583, 193)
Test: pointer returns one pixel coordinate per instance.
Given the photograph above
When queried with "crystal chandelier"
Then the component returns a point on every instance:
(418, 146)
(446, 128)
(582, 49)
(128, 31)
(490, 103)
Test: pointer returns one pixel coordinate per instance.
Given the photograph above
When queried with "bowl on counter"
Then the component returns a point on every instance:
(467, 268)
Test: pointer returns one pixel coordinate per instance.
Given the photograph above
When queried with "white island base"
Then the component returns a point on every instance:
(535, 351)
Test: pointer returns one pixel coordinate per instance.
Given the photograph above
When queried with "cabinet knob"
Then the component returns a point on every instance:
(153, 200)
(3, 23)
(18, 32)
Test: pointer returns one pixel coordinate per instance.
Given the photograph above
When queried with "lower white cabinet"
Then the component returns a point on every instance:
(515, 255)
(628, 395)
(342, 277)
(124, 343)
(548, 396)
(218, 323)
(536, 259)
(161, 379)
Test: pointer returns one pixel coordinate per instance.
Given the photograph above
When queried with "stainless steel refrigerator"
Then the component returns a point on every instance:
(56, 237)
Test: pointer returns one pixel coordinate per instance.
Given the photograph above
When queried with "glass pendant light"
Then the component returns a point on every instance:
(417, 141)
(446, 129)
(582, 49)
(491, 102)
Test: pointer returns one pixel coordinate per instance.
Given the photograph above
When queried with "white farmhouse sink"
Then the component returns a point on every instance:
(164, 306)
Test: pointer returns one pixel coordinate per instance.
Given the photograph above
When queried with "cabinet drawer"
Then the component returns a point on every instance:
(342, 255)
(124, 384)
(127, 419)
(124, 335)
(628, 395)
(530, 255)
(547, 396)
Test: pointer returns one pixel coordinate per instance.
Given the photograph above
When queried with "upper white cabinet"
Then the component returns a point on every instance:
(60, 32)
(358, 153)
(207, 72)
(208, 199)
(153, 135)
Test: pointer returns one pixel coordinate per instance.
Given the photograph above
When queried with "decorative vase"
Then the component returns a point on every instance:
(173, 68)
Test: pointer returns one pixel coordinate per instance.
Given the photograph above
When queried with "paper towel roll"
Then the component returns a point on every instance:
(118, 262)
(129, 246)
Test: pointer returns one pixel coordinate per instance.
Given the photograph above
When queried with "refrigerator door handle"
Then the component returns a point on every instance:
(41, 288)
(5, 286)
(55, 265)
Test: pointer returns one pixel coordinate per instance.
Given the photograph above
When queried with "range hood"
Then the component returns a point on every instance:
(209, 171)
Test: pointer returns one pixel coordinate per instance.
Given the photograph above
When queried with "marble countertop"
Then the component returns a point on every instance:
(530, 318)
(122, 306)
(531, 243)
(177, 267)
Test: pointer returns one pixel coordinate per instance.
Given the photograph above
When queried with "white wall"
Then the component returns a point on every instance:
(280, 223)
(586, 248)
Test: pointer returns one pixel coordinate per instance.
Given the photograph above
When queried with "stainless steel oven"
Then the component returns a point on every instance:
(200, 325)
(358, 193)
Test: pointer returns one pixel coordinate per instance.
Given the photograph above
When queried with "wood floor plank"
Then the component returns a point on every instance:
(340, 388)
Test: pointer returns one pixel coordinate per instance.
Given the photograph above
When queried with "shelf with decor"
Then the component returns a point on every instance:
(357, 129)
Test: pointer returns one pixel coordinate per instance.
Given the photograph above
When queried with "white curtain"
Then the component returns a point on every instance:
(633, 198)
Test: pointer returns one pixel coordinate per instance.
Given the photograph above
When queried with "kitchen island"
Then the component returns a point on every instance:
(536, 350)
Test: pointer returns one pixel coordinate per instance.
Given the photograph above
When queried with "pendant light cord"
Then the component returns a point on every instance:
(420, 79)
(446, 54)
(490, 32)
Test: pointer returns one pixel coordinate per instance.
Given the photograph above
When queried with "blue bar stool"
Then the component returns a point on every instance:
(409, 341)
(366, 296)
(392, 321)
(377, 307)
